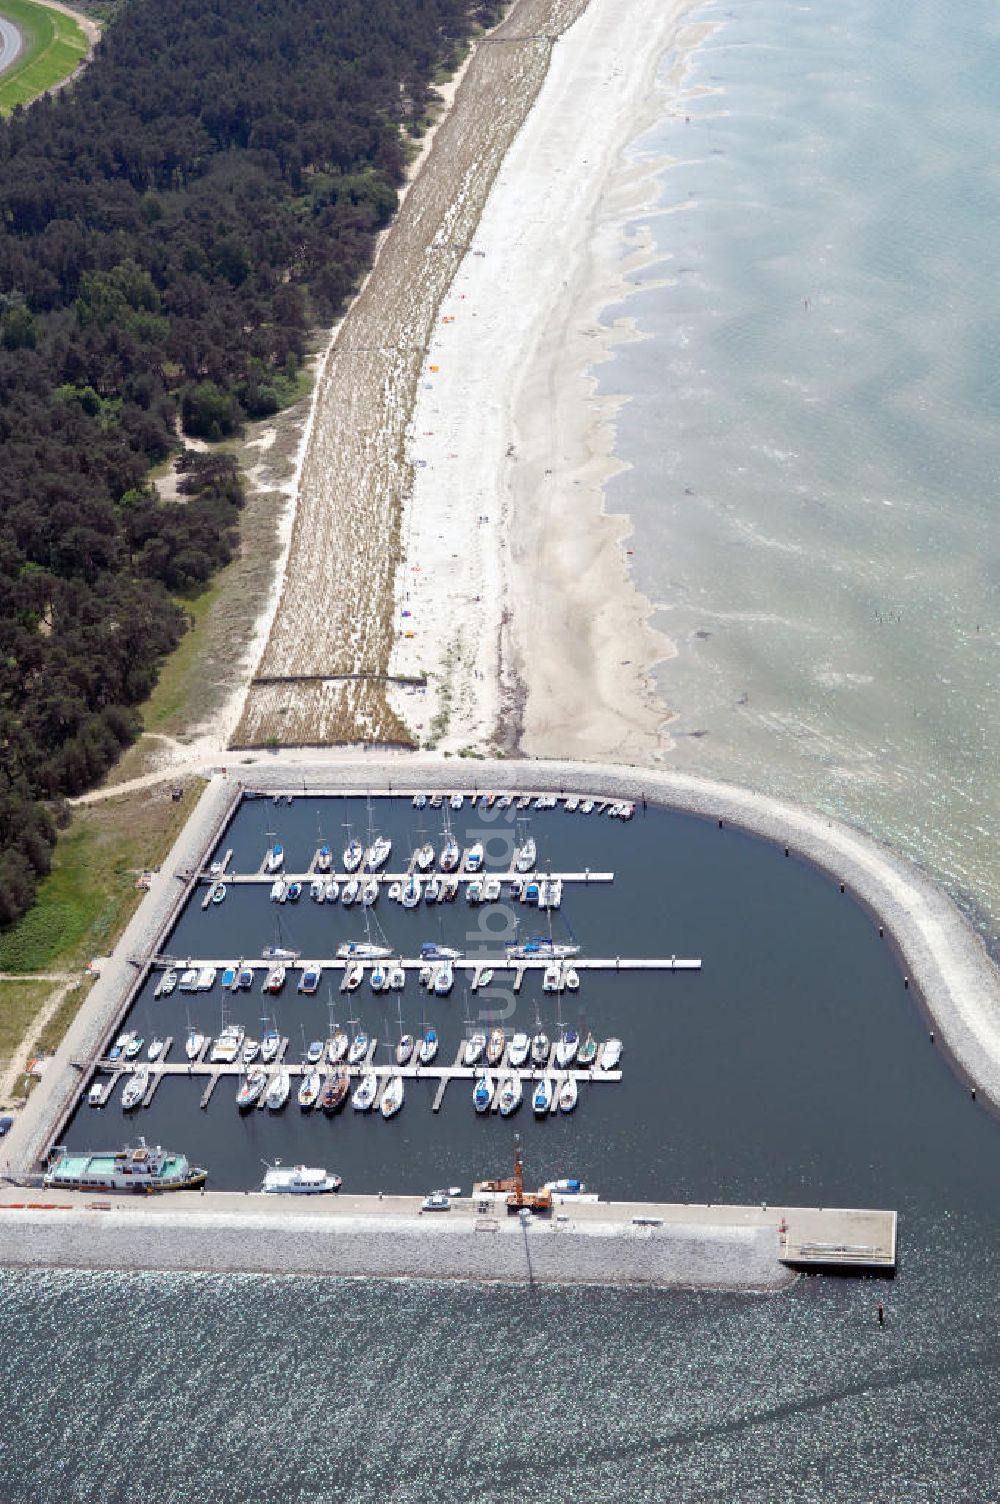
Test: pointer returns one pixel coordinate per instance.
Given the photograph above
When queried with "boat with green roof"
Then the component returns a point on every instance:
(142, 1170)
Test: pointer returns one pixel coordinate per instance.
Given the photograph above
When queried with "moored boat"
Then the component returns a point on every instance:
(568, 1094)
(428, 1046)
(362, 950)
(358, 1048)
(141, 1169)
(353, 855)
(251, 1089)
(540, 1047)
(310, 979)
(275, 979)
(541, 1100)
(168, 982)
(520, 1048)
(526, 855)
(482, 1093)
(135, 1088)
(474, 857)
(424, 857)
(392, 1097)
(404, 1049)
(365, 1092)
(324, 859)
(274, 860)
(567, 1046)
(298, 1180)
(587, 1052)
(610, 1054)
(474, 1049)
(269, 1046)
(309, 1089)
(278, 1090)
(378, 853)
(337, 1046)
(495, 1046)
(194, 1044)
(335, 1092)
(511, 1095)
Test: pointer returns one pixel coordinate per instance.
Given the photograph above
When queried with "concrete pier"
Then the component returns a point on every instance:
(600, 1243)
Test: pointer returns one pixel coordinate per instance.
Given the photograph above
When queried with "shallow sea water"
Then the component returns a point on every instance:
(812, 425)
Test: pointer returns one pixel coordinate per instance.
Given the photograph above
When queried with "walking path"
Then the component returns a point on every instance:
(18, 1062)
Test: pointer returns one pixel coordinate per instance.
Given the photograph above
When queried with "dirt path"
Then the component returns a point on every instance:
(18, 1061)
(322, 675)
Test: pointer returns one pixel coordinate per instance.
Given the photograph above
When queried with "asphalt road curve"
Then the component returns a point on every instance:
(11, 44)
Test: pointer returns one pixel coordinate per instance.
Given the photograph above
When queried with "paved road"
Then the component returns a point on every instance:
(11, 44)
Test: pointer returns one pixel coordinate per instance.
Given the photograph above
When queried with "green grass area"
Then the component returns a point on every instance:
(19, 1005)
(166, 706)
(90, 894)
(53, 46)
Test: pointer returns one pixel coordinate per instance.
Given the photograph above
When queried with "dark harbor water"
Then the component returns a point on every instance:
(793, 1067)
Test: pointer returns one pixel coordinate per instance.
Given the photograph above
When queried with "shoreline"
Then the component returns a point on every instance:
(948, 969)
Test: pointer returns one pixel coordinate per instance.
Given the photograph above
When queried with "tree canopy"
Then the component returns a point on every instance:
(170, 228)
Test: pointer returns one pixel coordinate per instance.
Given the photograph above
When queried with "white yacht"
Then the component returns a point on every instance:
(610, 1055)
(189, 980)
(155, 1049)
(520, 1047)
(456, 801)
(309, 1089)
(566, 1047)
(275, 979)
(269, 1045)
(278, 1091)
(379, 978)
(525, 856)
(397, 978)
(474, 857)
(451, 854)
(540, 1047)
(475, 1047)
(331, 890)
(362, 950)
(310, 979)
(351, 892)
(491, 889)
(206, 978)
(354, 976)
(354, 854)
(511, 1095)
(571, 979)
(369, 893)
(279, 890)
(135, 1088)
(168, 983)
(317, 890)
(444, 980)
(358, 1048)
(551, 979)
(428, 1047)
(281, 1180)
(274, 860)
(378, 853)
(419, 801)
(432, 889)
(194, 1044)
(424, 857)
(568, 1094)
(228, 1045)
(365, 1092)
(392, 1097)
(571, 803)
(411, 893)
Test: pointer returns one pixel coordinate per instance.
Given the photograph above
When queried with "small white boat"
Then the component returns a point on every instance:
(475, 1046)
(524, 856)
(314, 1054)
(520, 1048)
(541, 1099)
(168, 983)
(495, 1046)
(587, 807)
(428, 1047)
(228, 1045)
(298, 1181)
(194, 1044)
(397, 978)
(505, 801)
(411, 894)
(337, 1046)
(419, 801)
(317, 890)
(379, 978)
(206, 978)
(524, 801)
(392, 1097)
(491, 889)
(369, 893)
(355, 976)
(568, 1094)
(309, 1090)
(351, 892)
(540, 1047)
(553, 973)
(571, 979)
(474, 857)
(432, 889)
(571, 803)
(155, 1049)
(250, 1051)
(135, 1088)
(444, 980)
(269, 1046)
(219, 892)
(244, 979)
(485, 977)
(550, 893)
(424, 857)
(456, 801)
(278, 1090)
(378, 853)
(365, 1092)
(511, 1095)
(358, 1048)
(354, 854)
(395, 892)
(482, 1093)
(310, 979)
(275, 979)
(404, 1048)
(362, 950)
(451, 855)
(274, 860)
(189, 980)
(610, 1055)
(566, 1047)
(95, 1095)
(474, 891)
(324, 859)
(331, 890)
(435, 801)
(251, 1089)
(134, 1044)
(278, 888)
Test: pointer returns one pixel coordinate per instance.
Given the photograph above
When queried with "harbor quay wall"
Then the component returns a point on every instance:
(267, 1235)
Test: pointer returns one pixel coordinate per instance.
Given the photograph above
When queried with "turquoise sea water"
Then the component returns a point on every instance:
(813, 425)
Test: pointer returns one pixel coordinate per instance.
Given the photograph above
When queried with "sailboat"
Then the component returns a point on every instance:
(511, 1095)
(539, 1044)
(195, 1042)
(482, 1093)
(337, 1043)
(520, 1048)
(354, 853)
(335, 1092)
(451, 853)
(428, 1045)
(410, 896)
(404, 1048)
(365, 1092)
(392, 1097)
(358, 1047)
(275, 857)
(567, 1046)
(495, 1046)
(568, 1093)
(309, 1090)
(379, 847)
(526, 855)
(541, 1099)
(251, 1088)
(474, 857)
(424, 857)
(278, 1090)
(587, 1052)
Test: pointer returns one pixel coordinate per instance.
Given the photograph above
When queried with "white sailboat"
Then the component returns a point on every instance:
(520, 1048)
(568, 1094)
(392, 1097)
(482, 1093)
(365, 1092)
(278, 1090)
(511, 1095)
(541, 1099)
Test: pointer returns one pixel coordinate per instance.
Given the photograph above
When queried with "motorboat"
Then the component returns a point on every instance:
(300, 1180)
(331, 890)
(351, 892)
(445, 980)
(335, 1092)
(228, 979)
(449, 890)
(279, 888)
(167, 983)
(485, 977)
(279, 953)
(431, 952)
(491, 889)
(437, 1201)
(404, 1049)
(541, 1099)
(354, 976)
(456, 801)
(337, 1047)
(587, 1052)
(194, 1044)
(511, 1095)
(530, 891)
(482, 1094)
(392, 1097)
(432, 889)
(206, 978)
(550, 893)
(275, 979)
(474, 891)
(610, 1054)
(567, 1187)
(587, 807)
(228, 1045)
(451, 854)
(525, 856)
(251, 1089)
(314, 1054)
(571, 803)
(428, 1047)
(294, 892)
(250, 1051)
(567, 1046)
(568, 1094)
(540, 1047)
(552, 977)
(269, 1046)
(520, 1048)
(505, 801)
(495, 1046)
(135, 1088)
(275, 858)
(424, 857)
(218, 892)
(571, 979)
(362, 950)
(358, 1048)
(395, 892)
(397, 978)
(189, 980)
(354, 855)
(118, 1047)
(310, 979)
(369, 892)
(309, 1090)
(244, 979)
(379, 978)
(541, 948)
(474, 857)
(411, 893)
(365, 1092)
(378, 853)
(317, 889)
(435, 801)
(155, 1049)
(133, 1046)
(419, 801)
(324, 859)
(524, 801)
(96, 1094)
(475, 1046)
(278, 1090)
